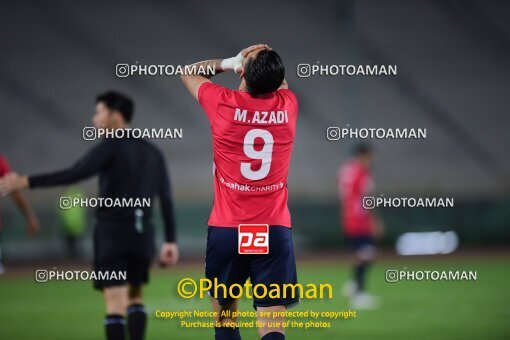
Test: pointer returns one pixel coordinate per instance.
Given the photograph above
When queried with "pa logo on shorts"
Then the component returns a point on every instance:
(253, 238)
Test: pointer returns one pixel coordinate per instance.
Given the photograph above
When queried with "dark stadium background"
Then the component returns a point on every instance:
(453, 77)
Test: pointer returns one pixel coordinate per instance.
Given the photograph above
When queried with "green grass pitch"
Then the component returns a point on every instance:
(410, 310)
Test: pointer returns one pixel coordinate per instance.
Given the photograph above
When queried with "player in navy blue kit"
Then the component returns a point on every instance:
(253, 131)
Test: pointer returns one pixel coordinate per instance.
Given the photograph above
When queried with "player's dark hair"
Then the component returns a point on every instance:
(264, 73)
(362, 149)
(116, 101)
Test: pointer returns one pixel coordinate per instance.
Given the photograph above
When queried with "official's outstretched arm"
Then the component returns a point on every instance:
(86, 167)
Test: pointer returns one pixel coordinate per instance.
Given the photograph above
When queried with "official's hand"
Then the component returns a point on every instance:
(169, 254)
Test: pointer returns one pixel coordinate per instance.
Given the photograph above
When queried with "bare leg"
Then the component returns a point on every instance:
(269, 323)
(226, 331)
(135, 295)
(116, 299)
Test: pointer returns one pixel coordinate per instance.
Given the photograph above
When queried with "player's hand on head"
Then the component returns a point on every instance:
(239, 68)
(169, 254)
(12, 182)
(252, 48)
(236, 63)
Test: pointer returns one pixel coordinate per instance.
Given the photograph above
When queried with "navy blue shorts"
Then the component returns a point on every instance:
(363, 247)
(358, 242)
(223, 261)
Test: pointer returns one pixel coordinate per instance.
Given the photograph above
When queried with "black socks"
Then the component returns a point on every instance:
(114, 325)
(137, 319)
(227, 333)
(274, 336)
(359, 274)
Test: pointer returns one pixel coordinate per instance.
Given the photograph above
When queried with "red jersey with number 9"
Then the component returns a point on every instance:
(252, 145)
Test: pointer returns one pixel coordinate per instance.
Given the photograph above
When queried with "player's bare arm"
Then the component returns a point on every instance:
(12, 184)
(194, 80)
(26, 210)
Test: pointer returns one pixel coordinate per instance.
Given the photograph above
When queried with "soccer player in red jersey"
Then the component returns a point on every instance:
(361, 226)
(21, 203)
(253, 130)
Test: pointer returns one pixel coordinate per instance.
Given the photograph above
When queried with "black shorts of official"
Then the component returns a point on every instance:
(224, 263)
(120, 247)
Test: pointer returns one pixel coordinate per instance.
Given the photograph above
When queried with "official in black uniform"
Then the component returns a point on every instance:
(128, 168)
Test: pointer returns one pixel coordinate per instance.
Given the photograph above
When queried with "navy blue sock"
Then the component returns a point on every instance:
(226, 333)
(114, 325)
(137, 319)
(274, 336)
(359, 274)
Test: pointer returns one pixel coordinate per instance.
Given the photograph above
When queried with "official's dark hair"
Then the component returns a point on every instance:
(362, 149)
(117, 102)
(264, 73)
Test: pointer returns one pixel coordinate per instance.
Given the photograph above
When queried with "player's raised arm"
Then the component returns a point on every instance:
(193, 80)
(199, 73)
